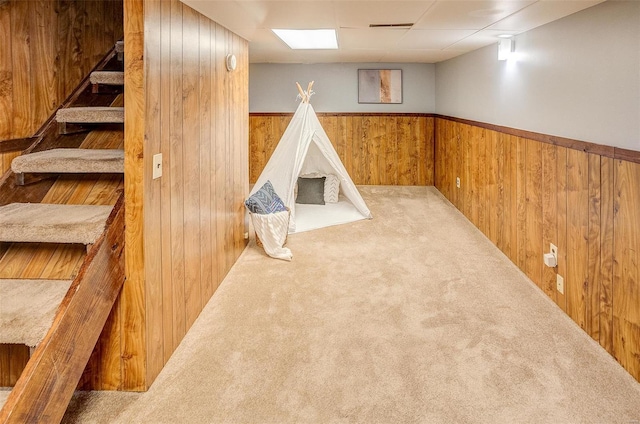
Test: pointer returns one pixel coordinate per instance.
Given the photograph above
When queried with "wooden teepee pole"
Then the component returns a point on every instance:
(302, 95)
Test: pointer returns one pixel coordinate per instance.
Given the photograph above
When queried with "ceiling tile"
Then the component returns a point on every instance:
(365, 38)
(370, 55)
(432, 39)
(265, 39)
(319, 56)
(359, 14)
(419, 56)
(469, 14)
(227, 13)
(291, 14)
(541, 13)
(479, 39)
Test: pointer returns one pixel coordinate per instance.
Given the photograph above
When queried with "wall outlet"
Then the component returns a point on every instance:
(560, 283)
(157, 165)
(458, 182)
(554, 250)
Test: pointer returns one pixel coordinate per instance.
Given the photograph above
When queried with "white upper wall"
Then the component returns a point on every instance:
(578, 77)
(272, 87)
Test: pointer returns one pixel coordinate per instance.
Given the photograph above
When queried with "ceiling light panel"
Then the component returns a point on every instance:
(308, 39)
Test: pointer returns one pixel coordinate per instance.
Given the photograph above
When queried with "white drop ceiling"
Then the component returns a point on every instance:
(442, 28)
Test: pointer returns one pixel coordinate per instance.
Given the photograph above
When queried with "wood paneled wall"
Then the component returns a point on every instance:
(376, 149)
(48, 47)
(186, 229)
(524, 193)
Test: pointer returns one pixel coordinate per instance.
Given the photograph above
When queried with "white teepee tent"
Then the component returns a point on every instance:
(303, 149)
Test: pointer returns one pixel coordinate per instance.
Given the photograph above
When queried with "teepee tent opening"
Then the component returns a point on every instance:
(305, 149)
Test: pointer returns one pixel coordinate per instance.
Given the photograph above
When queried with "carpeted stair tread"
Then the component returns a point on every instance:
(70, 161)
(52, 223)
(107, 77)
(91, 115)
(28, 307)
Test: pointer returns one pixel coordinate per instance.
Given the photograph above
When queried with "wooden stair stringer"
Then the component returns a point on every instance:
(44, 390)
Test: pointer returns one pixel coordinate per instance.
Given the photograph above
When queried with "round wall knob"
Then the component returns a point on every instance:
(231, 62)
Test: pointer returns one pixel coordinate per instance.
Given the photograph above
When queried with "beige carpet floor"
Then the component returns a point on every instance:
(412, 317)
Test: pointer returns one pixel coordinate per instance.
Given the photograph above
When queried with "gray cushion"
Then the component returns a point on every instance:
(311, 191)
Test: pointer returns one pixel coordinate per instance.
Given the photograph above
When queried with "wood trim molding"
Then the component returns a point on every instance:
(427, 115)
(584, 146)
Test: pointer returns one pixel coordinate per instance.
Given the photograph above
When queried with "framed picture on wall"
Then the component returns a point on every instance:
(379, 85)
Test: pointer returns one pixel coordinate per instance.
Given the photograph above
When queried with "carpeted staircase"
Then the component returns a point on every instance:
(69, 161)
(29, 307)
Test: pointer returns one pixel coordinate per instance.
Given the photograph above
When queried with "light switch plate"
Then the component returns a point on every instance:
(157, 165)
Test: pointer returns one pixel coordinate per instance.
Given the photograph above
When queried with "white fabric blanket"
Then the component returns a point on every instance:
(272, 230)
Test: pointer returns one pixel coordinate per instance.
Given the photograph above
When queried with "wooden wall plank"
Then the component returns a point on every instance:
(390, 167)
(607, 188)
(576, 281)
(465, 198)
(594, 275)
(491, 190)
(427, 161)
(190, 146)
(220, 124)
(13, 359)
(207, 264)
(134, 342)
(626, 267)
(521, 220)
(43, 57)
(166, 182)
(6, 78)
(23, 96)
(533, 199)
(500, 168)
(549, 183)
(154, 298)
(561, 298)
(176, 171)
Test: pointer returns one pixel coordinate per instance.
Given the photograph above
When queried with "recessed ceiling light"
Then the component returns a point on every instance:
(308, 39)
(505, 35)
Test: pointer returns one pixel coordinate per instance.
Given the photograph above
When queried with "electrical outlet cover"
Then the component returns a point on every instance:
(560, 283)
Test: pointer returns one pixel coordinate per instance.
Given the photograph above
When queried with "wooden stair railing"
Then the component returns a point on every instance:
(44, 390)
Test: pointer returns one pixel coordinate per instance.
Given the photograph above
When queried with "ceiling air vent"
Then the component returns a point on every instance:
(409, 25)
